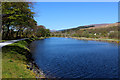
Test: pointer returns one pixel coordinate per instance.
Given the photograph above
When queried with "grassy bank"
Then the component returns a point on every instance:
(16, 58)
(98, 39)
(3, 40)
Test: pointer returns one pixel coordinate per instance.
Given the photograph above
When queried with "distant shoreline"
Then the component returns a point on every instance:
(98, 39)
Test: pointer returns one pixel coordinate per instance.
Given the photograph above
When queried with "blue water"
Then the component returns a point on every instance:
(72, 58)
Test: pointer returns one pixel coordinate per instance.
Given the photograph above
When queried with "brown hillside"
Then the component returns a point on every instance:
(104, 25)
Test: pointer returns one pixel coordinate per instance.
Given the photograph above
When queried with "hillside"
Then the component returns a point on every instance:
(98, 25)
(91, 31)
(104, 25)
(76, 28)
(93, 26)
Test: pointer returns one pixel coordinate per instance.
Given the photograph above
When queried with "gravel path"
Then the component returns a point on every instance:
(9, 42)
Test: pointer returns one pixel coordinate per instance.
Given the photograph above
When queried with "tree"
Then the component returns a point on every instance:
(17, 16)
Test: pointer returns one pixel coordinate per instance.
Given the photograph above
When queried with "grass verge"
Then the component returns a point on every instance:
(15, 58)
(98, 39)
(3, 40)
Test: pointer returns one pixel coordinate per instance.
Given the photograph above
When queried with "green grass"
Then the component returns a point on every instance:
(98, 39)
(3, 40)
(14, 59)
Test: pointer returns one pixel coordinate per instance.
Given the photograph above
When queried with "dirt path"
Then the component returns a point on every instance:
(9, 42)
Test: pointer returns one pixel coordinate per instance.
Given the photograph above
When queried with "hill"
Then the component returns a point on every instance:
(91, 31)
(93, 26)
(104, 25)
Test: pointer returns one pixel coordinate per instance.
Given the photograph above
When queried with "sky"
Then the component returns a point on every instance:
(65, 15)
(73, 0)
(61, 0)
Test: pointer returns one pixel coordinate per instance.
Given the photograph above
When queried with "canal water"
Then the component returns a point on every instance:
(72, 58)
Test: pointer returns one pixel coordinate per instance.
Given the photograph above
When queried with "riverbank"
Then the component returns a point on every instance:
(97, 39)
(18, 62)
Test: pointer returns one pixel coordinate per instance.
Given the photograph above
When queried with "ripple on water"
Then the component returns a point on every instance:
(70, 58)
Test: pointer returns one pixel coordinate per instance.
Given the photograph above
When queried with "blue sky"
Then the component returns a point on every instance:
(64, 15)
(74, 0)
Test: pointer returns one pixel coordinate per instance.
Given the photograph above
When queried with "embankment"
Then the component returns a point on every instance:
(97, 39)
(17, 61)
